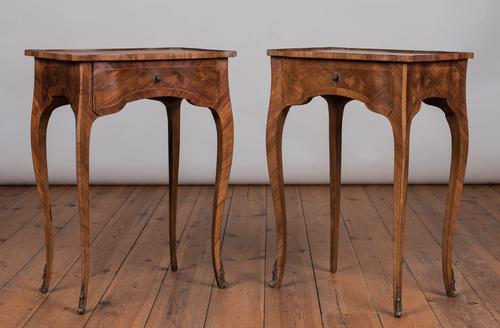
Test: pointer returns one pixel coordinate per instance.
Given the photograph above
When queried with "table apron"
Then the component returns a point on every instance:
(373, 84)
(117, 83)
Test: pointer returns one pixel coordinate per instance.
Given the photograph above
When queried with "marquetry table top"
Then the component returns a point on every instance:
(369, 54)
(128, 54)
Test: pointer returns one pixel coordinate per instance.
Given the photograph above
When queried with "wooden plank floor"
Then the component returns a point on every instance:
(132, 284)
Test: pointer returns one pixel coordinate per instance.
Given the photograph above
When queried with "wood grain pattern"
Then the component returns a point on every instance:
(291, 305)
(128, 54)
(145, 267)
(344, 297)
(84, 119)
(101, 82)
(363, 54)
(276, 116)
(22, 211)
(9, 194)
(487, 198)
(119, 235)
(132, 284)
(40, 114)
(476, 266)
(393, 83)
(19, 299)
(21, 245)
(244, 250)
(223, 117)
(173, 106)
(374, 245)
(184, 297)
(371, 83)
(117, 83)
(423, 258)
(335, 113)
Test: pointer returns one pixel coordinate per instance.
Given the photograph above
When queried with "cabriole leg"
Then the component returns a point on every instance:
(223, 117)
(401, 132)
(336, 106)
(174, 119)
(40, 116)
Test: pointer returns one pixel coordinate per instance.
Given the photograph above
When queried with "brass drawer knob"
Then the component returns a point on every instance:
(157, 78)
(336, 77)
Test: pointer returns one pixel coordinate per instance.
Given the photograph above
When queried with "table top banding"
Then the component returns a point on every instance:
(131, 54)
(385, 55)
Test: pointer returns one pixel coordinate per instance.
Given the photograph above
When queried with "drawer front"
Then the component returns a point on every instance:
(370, 83)
(117, 83)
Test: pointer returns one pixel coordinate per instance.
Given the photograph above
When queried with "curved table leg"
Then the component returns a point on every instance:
(173, 106)
(274, 134)
(401, 131)
(40, 116)
(84, 119)
(222, 114)
(456, 115)
(336, 106)
(460, 135)
(83, 125)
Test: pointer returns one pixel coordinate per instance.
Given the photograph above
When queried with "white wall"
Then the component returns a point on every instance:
(131, 146)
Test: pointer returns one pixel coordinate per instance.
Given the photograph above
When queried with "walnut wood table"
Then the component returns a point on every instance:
(101, 82)
(393, 83)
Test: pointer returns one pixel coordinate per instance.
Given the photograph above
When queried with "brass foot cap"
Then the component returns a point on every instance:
(398, 306)
(452, 292)
(273, 284)
(222, 283)
(82, 304)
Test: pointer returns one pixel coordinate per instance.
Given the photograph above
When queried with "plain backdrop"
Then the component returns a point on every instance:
(131, 146)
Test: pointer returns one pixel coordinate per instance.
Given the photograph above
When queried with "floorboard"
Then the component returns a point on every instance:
(107, 254)
(184, 295)
(373, 246)
(243, 253)
(296, 303)
(478, 267)
(344, 296)
(130, 297)
(9, 194)
(22, 210)
(423, 259)
(20, 298)
(132, 285)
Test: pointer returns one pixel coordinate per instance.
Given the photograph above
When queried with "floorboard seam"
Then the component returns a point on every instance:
(493, 214)
(55, 232)
(222, 244)
(465, 226)
(31, 218)
(78, 258)
(23, 194)
(455, 266)
(125, 258)
(177, 246)
(310, 255)
(362, 270)
(404, 260)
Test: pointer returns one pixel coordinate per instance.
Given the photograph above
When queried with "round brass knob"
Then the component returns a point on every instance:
(336, 77)
(157, 78)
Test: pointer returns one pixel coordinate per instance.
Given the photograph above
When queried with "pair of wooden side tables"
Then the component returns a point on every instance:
(393, 83)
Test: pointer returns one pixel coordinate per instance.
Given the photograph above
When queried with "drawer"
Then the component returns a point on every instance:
(366, 82)
(117, 83)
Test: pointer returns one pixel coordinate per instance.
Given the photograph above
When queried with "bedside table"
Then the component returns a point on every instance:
(101, 82)
(393, 83)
